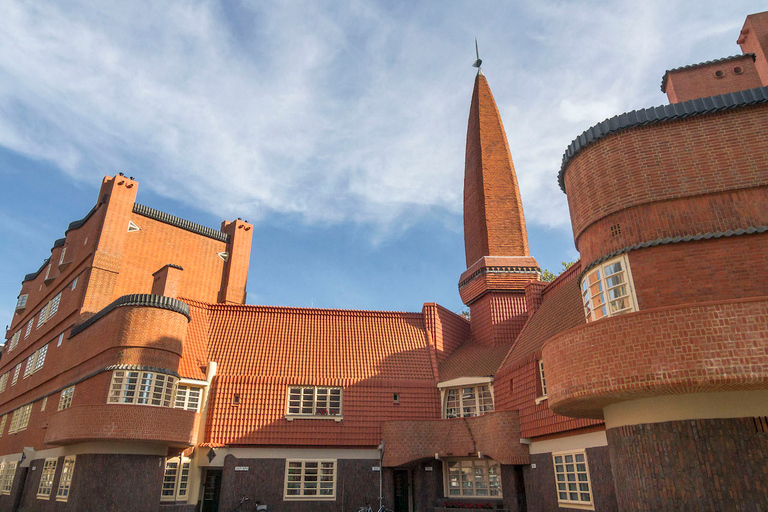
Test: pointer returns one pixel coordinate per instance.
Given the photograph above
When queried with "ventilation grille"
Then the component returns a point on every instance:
(616, 230)
(761, 424)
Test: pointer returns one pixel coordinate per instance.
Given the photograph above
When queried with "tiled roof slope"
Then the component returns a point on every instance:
(473, 359)
(560, 309)
(194, 357)
(260, 351)
(659, 114)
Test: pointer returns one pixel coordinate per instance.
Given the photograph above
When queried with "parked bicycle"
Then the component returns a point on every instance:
(243, 507)
(367, 508)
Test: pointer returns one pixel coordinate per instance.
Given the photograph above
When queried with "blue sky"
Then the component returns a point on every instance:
(337, 128)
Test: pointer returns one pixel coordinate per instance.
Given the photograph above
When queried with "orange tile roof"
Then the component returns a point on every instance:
(473, 359)
(560, 309)
(261, 350)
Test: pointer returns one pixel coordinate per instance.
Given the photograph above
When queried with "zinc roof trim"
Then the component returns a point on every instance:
(661, 113)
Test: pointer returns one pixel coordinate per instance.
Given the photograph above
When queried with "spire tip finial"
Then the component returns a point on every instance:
(478, 62)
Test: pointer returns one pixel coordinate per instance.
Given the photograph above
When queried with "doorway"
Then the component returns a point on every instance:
(211, 490)
(402, 490)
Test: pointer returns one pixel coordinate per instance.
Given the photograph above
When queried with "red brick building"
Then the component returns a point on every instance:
(134, 377)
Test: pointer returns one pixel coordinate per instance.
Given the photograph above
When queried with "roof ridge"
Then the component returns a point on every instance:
(652, 115)
(305, 310)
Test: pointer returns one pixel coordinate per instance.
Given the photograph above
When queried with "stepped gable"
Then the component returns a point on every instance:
(494, 224)
(262, 350)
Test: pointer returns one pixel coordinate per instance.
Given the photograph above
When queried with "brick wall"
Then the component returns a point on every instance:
(494, 224)
(541, 491)
(356, 485)
(712, 79)
(754, 39)
(709, 270)
(498, 317)
(690, 348)
(708, 465)
(446, 330)
(704, 154)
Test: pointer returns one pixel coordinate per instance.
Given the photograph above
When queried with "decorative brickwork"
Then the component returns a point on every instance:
(708, 465)
(691, 348)
(494, 224)
(495, 435)
(639, 168)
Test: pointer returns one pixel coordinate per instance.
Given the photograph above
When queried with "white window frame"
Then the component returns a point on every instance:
(29, 327)
(188, 397)
(53, 306)
(142, 388)
(301, 476)
(65, 479)
(74, 283)
(65, 399)
(16, 372)
(7, 475)
(14, 341)
(309, 402)
(541, 382)
(176, 479)
(45, 403)
(21, 301)
(3, 419)
(20, 419)
(468, 401)
(42, 316)
(3, 381)
(30, 367)
(458, 483)
(596, 289)
(563, 472)
(45, 486)
(40, 357)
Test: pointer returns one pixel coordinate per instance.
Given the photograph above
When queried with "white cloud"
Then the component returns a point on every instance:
(328, 113)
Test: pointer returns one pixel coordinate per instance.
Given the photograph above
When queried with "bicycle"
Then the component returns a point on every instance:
(367, 508)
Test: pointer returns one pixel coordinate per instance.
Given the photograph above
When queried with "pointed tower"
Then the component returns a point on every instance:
(495, 238)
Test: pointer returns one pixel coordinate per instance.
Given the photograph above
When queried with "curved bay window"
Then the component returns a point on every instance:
(470, 478)
(607, 290)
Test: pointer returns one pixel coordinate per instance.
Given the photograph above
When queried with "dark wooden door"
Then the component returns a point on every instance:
(402, 491)
(211, 490)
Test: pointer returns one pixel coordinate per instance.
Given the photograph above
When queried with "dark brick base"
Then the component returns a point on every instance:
(541, 492)
(100, 482)
(702, 465)
(356, 485)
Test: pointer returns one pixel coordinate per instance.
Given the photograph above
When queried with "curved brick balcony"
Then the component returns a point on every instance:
(687, 349)
(117, 422)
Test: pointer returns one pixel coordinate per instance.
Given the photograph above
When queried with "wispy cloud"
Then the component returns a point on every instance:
(323, 112)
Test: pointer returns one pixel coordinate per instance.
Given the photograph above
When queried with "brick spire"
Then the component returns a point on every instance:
(494, 224)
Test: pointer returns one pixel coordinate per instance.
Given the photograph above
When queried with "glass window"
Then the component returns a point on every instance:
(472, 478)
(310, 479)
(65, 481)
(65, 400)
(175, 479)
(7, 474)
(466, 401)
(314, 401)
(188, 397)
(572, 478)
(607, 290)
(46, 479)
(140, 387)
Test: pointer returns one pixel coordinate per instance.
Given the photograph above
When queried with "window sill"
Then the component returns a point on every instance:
(577, 506)
(540, 399)
(309, 498)
(291, 417)
(63, 266)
